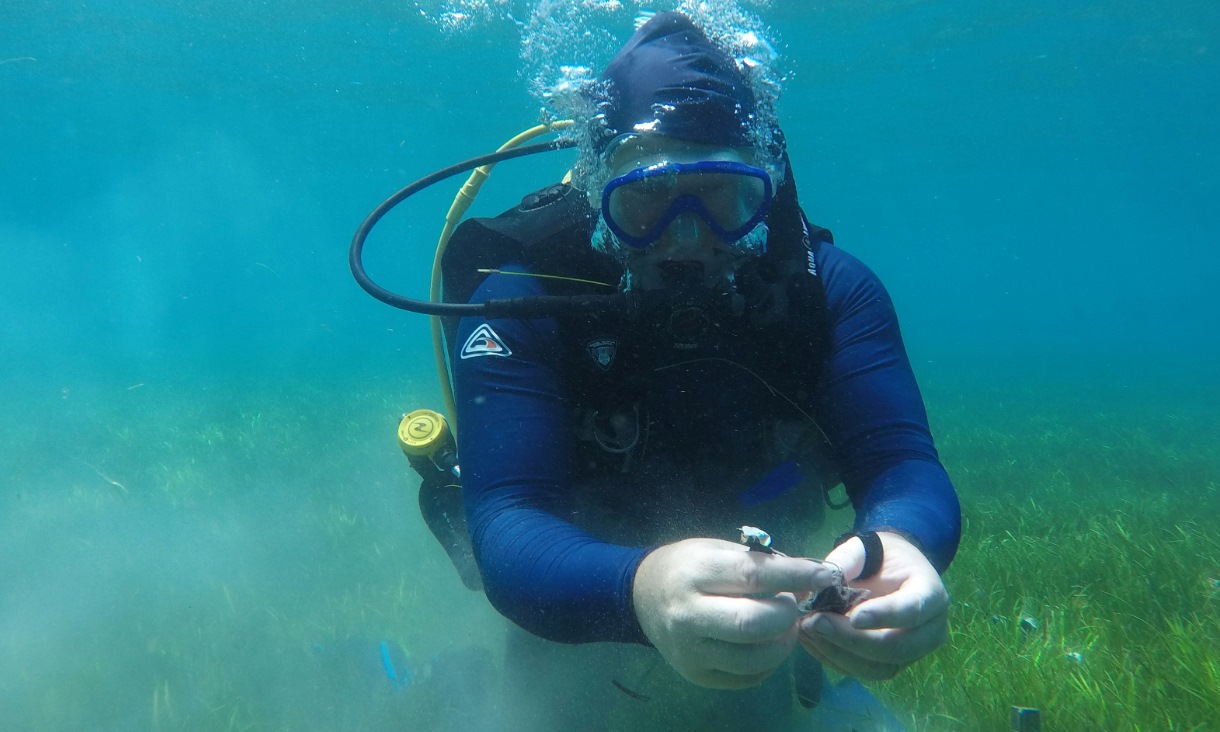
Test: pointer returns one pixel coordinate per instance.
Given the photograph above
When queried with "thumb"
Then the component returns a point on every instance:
(849, 557)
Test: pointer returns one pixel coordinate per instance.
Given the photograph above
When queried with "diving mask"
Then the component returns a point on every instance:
(651, 188)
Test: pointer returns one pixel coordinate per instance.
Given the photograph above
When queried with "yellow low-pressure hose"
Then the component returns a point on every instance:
(461, 203)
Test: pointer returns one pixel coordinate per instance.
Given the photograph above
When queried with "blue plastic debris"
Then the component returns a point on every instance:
(387, 662)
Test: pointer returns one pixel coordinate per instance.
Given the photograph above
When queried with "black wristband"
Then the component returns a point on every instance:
(873, 552)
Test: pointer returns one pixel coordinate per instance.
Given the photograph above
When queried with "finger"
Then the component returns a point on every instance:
(914, 604)
(884, 645)
(744, 619)
(747, 572)
(744, 659)
(845, 662)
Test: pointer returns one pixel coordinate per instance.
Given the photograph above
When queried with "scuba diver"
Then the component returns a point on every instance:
(609, 454)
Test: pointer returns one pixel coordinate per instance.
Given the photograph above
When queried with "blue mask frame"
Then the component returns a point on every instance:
(688, 202)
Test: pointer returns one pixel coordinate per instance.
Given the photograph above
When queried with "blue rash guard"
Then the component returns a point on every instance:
(561, 583)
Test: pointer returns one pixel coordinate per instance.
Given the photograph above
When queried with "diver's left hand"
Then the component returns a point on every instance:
(905, 619)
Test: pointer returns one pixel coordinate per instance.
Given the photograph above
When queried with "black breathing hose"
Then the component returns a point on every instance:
(520, 307)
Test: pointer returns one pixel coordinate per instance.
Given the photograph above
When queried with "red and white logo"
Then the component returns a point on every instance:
(485, 342)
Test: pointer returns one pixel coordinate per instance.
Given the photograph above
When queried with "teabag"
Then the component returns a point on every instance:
(837, 598)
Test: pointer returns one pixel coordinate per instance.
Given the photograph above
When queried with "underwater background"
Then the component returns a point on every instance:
(205, 522)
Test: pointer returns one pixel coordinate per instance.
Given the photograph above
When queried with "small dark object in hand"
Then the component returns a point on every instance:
(837, 598)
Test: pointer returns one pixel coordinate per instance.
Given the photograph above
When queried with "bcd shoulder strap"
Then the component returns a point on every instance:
(548, 233)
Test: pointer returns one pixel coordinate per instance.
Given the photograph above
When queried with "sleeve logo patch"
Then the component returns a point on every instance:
(485, 342)
(602, 351)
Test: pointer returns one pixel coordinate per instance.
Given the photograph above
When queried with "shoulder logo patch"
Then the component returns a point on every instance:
(602, 351)
(485, 342)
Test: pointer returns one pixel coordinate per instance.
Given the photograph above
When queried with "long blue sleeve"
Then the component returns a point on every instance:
(516, 443)
(869, 405)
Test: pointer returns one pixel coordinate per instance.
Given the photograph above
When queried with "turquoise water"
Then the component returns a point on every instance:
(201, 496)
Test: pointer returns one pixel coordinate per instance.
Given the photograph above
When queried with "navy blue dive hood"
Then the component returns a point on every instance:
(671, 79)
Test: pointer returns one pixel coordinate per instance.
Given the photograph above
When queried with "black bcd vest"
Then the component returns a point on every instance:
(773, 332)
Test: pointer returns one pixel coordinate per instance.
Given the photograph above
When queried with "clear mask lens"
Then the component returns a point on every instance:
(730, 196)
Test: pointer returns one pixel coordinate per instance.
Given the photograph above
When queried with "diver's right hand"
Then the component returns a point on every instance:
(723, 616)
